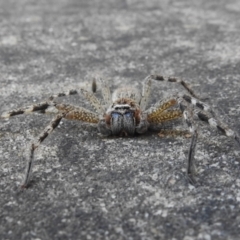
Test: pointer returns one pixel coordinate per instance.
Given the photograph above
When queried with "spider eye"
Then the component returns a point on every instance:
(121, 107)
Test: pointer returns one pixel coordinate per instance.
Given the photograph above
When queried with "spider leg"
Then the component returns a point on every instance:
(35, 107)
(206, 114)
(175, 80)
(196, 102)
(220, 126)
(160, 113)
(72, 91)
(63, 94)
(68, 112)
(188, 117)
(77, 113)
(145, 92)
(191, 167)
(53, 124)
(94, 85)
(169, 115)
(105, 92)
(93, 101)
(157, 114)
(173, 133)
(42, 106)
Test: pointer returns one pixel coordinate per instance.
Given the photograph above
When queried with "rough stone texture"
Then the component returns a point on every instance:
(88, 187)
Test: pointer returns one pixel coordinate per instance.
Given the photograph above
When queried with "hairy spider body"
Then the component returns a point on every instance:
(125, 114)
(122, 117)
(122, 120)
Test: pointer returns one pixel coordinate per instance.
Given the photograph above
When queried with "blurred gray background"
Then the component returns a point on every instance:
(89, 187)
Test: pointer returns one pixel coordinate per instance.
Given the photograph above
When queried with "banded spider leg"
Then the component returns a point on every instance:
(65, 111)
(189, 107)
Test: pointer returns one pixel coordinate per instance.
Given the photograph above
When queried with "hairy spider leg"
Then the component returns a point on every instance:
(168, 115)
(160, 114)
(63, 94)
(73, 91)
(187, 113)
(42, 106)
(94, 85)
(53, 124)
(35, 107)
(68, 112)
(94, 101)
(174, 133)
(220, 126)
(155, 114)
(146, 91)
(175, 80)
(206, 114)
(77, 113)
(105, 92)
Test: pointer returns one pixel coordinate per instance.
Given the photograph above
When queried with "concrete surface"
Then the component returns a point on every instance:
(88, 187)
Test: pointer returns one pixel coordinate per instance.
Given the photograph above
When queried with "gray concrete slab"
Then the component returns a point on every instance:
(89, 187)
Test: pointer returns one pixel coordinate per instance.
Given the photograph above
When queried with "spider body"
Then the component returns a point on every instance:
(123, 116)
(126, 114)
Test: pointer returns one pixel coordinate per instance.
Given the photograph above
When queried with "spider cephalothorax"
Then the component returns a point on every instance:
(125, 114)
